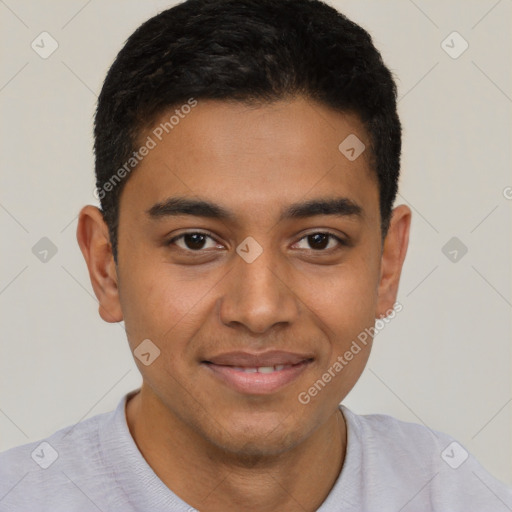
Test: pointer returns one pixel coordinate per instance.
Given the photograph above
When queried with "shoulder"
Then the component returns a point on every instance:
(36, 473)
(399, 436)
(422, 465)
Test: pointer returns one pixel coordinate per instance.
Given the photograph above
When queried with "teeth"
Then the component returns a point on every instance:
(262, 369)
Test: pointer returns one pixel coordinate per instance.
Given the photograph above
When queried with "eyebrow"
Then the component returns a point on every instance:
(175, 206)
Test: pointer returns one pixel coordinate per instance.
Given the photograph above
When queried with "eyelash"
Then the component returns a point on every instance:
(341, 242)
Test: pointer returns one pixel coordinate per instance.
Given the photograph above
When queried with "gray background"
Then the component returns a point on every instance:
(444, 361)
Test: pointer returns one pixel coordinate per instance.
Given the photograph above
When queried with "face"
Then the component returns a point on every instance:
(250, 254)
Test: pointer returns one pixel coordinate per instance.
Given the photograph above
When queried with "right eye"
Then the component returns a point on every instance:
(193, 241)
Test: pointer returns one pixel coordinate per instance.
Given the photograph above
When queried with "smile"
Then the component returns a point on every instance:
(257, 379)
(263, 369)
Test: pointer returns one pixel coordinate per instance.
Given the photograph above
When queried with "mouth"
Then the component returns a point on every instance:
(258, 374)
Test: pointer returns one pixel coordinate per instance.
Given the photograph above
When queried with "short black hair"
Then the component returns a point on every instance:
(251, 51)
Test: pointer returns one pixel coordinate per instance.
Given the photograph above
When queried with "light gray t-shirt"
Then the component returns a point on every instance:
(390, 466)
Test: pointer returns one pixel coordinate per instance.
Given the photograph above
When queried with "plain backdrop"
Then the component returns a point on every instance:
(444, 361)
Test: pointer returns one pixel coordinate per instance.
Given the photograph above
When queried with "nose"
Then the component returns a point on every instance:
(259, 296)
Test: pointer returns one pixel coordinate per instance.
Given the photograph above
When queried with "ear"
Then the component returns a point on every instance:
(94, 241)
(393, 255)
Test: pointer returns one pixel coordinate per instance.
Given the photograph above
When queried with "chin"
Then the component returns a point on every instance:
(250, 441)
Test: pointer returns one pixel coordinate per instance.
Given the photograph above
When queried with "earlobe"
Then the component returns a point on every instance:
(393, 256)
(94, 241)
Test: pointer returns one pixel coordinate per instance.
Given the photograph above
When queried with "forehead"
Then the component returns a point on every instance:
(254, 158)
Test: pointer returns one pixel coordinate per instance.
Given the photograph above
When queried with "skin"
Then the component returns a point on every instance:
(217, 448)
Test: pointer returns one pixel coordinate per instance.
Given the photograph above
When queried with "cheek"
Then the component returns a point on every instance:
(346, 299)
(160, 304)
(347, 312)
(347, 307)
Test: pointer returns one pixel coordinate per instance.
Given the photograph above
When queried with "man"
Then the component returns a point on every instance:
(247, 161)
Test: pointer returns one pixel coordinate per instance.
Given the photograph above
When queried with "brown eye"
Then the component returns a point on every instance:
(193, 241)
(318, 241)
(321, 241)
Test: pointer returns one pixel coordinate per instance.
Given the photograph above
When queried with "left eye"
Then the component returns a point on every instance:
(320, 241)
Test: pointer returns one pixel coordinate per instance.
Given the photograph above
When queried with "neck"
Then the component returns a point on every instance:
(211, 480)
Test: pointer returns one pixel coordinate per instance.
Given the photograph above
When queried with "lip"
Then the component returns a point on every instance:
(228, 369)
(269, 358)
